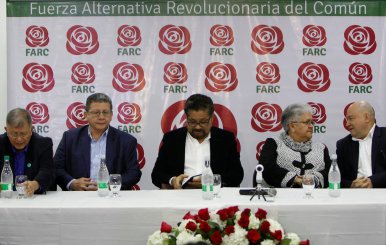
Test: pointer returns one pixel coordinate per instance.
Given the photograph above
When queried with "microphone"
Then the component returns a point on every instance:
(259, 174)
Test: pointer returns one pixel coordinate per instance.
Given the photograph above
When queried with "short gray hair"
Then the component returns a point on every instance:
(292, 114)
(366, 107)
(99, 98)
(18, 117)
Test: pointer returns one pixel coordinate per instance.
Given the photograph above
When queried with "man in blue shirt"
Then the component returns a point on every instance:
(77, 158)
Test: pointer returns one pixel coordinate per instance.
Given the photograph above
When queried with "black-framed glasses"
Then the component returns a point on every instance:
(192, 123)
(16, 135)
(308, 122)
(98, 113)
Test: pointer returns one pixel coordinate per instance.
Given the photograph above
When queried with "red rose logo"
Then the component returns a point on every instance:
(267, 40)
(39, 112)
(82, 73)
(318, 112)
(220, 77)
(129, 113)
(128, 77)
(360, 73)
(82, 40)
(141, 156)
(266, 117)
(345, 115)
(174, 40)
(314, 36)
(38, 77)
(175, 73)
(221, 35)
(259, 146)
(267, 73)
(36, 36)
(76, 115)
(129, 36)
(135, 188)
(359, 40)
(313, 77)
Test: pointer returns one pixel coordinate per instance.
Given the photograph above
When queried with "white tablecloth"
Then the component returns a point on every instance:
(357, 217)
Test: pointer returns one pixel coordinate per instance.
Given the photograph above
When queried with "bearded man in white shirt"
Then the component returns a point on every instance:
(362, 153)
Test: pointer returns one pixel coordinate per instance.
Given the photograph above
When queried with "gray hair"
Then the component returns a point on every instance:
(99, 98)
(18, 117)
(292, 114)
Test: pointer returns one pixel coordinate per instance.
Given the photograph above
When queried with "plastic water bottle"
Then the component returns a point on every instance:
(6, 179)
(207, 182)
(334, 178)
(103, 178)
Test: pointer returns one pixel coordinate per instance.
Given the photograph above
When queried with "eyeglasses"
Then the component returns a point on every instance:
(16, 135)
(193, 124)
(98, 113)
(308, 122)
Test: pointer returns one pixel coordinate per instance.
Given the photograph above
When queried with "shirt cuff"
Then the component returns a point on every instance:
(69, 184)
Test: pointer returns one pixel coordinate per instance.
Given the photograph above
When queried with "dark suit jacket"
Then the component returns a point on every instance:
(347, 151)
(224, 158)
(72, 158)
(38, 164)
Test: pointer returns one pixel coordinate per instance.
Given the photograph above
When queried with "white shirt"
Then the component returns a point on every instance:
(364, 159)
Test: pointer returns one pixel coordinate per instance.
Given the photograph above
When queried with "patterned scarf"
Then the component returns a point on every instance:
(296, 146)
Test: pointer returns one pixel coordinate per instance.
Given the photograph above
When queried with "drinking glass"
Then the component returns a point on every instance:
(20, 185)
(308, 183)
(115, 183)
(216, 185)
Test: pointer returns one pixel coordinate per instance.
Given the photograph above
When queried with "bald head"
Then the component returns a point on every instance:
(360, 119)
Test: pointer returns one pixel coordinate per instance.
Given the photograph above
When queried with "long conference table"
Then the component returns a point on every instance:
(358, 216)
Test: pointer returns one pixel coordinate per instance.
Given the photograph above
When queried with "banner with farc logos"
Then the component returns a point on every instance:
(253, 58)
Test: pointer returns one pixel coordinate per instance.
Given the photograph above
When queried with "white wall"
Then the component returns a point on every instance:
(3, 64)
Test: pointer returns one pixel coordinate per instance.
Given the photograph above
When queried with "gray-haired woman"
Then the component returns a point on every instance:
(289, 156)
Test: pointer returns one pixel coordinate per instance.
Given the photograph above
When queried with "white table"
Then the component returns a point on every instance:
(357, 217)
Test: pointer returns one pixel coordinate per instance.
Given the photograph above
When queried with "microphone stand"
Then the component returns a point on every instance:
(259, 192)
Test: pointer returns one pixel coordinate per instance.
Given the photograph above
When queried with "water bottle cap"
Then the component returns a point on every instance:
(6, 158)
(333, 157)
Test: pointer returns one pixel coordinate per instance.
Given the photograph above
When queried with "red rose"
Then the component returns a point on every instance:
(220, 77)
(318, 112)
(141, 156)
(264, 226)
(243, 221)
(223, 214)
(259, 147)
(191, 226)
(229, 229)
(129, 113)
(174, 40)
(221, 35)
(360, 73)
(246, 212)
(313, 77)
(36, 36)
(266, 117)
(267, 73)
(306, 242)
(165, 227)
(277, 235)
(267, 40)
(175, 73)
(128, 77)
(203, 214)
(232, 210)
(82, 40)
(39, 112)
(82, 73)
(261, 214)
(253, 236)
(129, 36)
(359, 40)
(76, 115)
(188, 215)
(204, 226)
(314, 36)
(38, 77)
(216, 237)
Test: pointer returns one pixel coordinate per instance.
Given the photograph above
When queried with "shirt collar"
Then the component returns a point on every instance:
(103, 135)
(194, 139)
(368, 137)
(16, 151)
